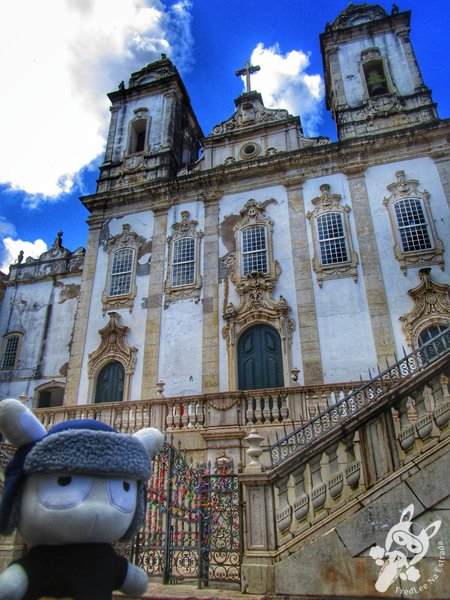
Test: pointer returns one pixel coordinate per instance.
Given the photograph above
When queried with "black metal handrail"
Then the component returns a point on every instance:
(359, 399)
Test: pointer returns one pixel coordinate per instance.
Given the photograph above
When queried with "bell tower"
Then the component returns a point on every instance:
(153, 130)
(373, 82)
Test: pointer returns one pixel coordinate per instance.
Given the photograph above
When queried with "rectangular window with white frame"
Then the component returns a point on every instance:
(254, 250)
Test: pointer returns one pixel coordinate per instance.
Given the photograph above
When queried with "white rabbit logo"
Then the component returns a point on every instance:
(406, 544)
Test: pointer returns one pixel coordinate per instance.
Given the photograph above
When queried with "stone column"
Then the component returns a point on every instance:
(306, 307)
(442, 162)
(155, 305)
(210, 334)
(370, 264)
(82, 315)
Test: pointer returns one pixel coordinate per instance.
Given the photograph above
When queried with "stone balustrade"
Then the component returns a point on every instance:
(356, 445)
(290, 406)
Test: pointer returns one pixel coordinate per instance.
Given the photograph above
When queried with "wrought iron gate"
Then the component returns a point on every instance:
(192, 528)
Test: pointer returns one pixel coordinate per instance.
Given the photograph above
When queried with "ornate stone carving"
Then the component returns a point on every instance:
(431, 306)
(257, 306)
(250, 111)
(325, 204)
(113, 347)
(355, 14)
(407, 189)
(382, 106)
(186, 228)
(126, 239)
(255, 290)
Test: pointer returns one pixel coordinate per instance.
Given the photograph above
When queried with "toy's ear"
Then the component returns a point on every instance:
(152, 439)
(18, 424)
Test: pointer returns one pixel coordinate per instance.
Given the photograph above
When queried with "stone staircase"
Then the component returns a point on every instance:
(333, 487)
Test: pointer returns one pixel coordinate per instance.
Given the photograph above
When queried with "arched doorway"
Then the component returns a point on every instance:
(260, 362)
(110, 383)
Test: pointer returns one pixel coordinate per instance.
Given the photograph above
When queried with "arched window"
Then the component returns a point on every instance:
(376, 80)
(415, 237)
(412, 225)
(121, 272)
(11, 350)
(110, 383)
(334, 256)
(120, 284)
(254, 250)
(331, 239)
(183, 278)
(138, 136)
(429, 333)
(183, 262)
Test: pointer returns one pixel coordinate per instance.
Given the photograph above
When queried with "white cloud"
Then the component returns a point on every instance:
(11, 250)
(283, 83)
(63, 56)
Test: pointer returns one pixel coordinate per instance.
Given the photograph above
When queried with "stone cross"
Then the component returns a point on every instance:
(247, 71)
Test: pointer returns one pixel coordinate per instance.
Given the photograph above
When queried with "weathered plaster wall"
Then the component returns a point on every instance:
(180, 361)
(156, 113)
(44, 312)
(350, 57)
(347, 346)
(397, 284)
(275, 200)
(142, 224)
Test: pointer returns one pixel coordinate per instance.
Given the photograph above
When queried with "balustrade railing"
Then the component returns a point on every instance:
(283, 406)
(357, 401)
(385, 425)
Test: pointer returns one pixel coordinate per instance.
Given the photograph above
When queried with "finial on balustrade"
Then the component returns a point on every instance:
(294, 374)
(254, 451)
(160, 389)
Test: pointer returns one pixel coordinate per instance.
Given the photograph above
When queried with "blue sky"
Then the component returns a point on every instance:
(67, 54)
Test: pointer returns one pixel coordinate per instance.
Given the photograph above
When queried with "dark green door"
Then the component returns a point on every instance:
(259, 358)
(110, 383)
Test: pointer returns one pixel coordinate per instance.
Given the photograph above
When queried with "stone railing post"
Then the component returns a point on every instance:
(260, 537)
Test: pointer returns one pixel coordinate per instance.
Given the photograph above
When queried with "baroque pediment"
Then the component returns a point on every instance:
(250, 112)
(431, 306)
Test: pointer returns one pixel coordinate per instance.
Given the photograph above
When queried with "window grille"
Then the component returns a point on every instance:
(10, 352)
(413, 228)
(121, 272)
(183, 262)
(254, 250)
(331, 239)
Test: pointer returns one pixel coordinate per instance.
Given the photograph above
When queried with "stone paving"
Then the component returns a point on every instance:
(158, 591)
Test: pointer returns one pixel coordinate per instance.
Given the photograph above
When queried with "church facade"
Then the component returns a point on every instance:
(272, 260)
(233, 289)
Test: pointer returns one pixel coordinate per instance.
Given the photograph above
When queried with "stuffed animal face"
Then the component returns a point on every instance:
(64, 508)
(80, 482)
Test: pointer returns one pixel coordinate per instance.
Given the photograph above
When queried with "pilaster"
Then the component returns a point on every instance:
(442, 162)
(210, 333)
(112, 132)
(306, 307)
(82, 315)
(370, 263)
(155, 305)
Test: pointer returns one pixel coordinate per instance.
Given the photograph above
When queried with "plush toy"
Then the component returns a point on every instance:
(71, 492)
